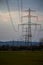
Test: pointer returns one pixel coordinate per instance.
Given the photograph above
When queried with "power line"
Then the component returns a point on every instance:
(18, 9)
(10, 16)
(35, 30)
(39, 31)
(18, 5)
(21, 10)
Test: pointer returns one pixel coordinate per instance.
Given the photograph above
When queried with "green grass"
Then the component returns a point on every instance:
(21, 58)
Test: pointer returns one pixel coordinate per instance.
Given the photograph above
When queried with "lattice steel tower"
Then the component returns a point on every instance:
(28, 30)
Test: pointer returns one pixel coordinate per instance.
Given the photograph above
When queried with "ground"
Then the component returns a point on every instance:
(21, 58)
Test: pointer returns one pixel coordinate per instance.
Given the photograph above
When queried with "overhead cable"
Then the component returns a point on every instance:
(10, 16)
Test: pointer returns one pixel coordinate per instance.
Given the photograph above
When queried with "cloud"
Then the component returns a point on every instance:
(4, 16)
(15, 16)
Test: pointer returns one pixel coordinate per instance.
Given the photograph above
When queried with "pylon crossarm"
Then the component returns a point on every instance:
(29, 24)
(30, 10)
(29, 35)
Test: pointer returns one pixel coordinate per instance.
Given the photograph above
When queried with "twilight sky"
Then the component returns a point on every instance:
(6, 30)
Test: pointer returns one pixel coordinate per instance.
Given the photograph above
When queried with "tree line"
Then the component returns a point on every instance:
(20, 48)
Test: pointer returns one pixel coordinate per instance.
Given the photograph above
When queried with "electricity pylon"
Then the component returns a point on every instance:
(29, 35)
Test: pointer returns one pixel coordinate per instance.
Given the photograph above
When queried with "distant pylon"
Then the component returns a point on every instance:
(29, 35)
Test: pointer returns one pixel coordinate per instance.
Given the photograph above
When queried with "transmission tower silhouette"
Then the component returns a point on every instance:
(26, 27)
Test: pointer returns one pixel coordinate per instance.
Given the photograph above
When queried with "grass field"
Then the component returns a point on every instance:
(21, 58)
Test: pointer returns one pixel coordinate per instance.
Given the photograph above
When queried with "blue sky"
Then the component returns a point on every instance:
(6, 30)
(33, 4)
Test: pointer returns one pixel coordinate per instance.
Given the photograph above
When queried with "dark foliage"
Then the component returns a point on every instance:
(21, 48)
